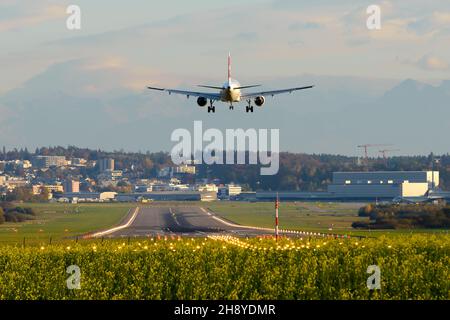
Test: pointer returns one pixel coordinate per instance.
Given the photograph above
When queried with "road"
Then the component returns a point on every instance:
(185, 221)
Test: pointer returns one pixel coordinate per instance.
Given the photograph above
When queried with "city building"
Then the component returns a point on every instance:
(162, 187)
(207, 188)
(174, 181)
(183, 169)
(229, 190)
(2, 180)
(38, 188)
(13, 182)
(106, 165)
(48, 161)
(383, 184)
(24, 164)
(87, 197)
(78, 162)
(180, 187)
(164, 172)
(208, 196)
(110, 175)
(15, 164)
(143, 188)
(169, 172)
(102, 183)
(72, 186)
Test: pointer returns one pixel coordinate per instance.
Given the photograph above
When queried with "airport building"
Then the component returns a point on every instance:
(382, 184)
(367, 186)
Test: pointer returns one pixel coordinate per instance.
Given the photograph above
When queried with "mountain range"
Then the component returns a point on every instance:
(77, 103)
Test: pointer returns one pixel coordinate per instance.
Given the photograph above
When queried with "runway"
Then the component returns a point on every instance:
(184, 221)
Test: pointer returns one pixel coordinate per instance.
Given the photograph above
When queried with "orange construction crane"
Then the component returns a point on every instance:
(366, 146)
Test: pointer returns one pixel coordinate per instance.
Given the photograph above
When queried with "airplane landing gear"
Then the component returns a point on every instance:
(249, 108)
(231, 107)
(211, 108)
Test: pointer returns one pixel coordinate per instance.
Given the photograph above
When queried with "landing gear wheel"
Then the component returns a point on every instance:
(211, 107)
(249, 109)
(231, 107)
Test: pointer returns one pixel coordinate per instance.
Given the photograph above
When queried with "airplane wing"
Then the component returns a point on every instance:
(273, 93)
(207, 95)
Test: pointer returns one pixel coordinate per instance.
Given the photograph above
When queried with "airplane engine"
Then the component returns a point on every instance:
(259, 101)
(201, 101)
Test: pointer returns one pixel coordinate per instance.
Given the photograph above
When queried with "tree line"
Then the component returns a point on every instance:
(12, 213)
(401, 216)
(298, 171)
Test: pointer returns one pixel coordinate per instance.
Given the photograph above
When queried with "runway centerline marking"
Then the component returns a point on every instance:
(174, 216)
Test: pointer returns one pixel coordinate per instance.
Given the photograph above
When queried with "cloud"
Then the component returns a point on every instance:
(427, 62)
(297, 37)
(406, 23)
(71, 104)
(104, 64)
(296, 43)
(393, 25)
(246, 36)
(434, 23)
(433, 63)
(86, 102)
(295, 4)
(18, 18)
(307, 25)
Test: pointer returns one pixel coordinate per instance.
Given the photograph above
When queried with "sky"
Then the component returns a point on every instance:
(60, 86)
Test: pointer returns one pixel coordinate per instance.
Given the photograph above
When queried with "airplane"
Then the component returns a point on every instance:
(417, 200)
(230, 92)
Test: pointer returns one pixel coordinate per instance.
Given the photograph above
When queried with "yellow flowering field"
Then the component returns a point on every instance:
(224, 267)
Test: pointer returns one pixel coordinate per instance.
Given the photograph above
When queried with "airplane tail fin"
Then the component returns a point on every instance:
(229, 67)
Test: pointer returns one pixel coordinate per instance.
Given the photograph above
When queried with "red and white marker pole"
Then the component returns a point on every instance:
(277, 204)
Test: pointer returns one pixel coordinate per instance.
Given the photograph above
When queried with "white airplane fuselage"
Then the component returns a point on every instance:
(229, 93)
